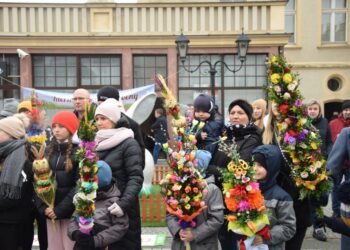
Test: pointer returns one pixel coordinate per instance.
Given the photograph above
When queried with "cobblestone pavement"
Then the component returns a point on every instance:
(333, 242)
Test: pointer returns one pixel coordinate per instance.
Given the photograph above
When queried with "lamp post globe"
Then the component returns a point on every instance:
(242, 46)
(182, 46)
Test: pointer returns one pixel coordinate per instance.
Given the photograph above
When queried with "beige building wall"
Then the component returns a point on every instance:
(141, 28)
(316, 62)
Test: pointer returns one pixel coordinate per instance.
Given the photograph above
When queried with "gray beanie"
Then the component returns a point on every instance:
(10, 107)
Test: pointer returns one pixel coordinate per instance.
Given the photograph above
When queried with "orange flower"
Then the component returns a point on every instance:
(187, 189)
(231, 218)
(256, 200)
(262, 208)
(251, 225)
(195, 190)
(231, 204)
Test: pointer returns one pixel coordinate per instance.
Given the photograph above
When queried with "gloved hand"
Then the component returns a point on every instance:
(86, 242)
(321, 202)
(116, 210)
(77, 235)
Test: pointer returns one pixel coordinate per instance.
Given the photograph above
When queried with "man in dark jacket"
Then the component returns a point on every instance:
(110, 92)
(160, 132)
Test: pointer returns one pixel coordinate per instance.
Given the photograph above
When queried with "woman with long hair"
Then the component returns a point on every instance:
(259, 111)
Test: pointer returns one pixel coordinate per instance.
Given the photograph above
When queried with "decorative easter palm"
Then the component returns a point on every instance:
(44, 184)
(295, 133)
(247, 212)
(84, 200)
(183, 188)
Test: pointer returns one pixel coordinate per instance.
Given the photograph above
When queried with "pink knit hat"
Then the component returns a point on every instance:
(110, 109)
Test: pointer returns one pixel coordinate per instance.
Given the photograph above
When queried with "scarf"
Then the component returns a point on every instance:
(239, 131)
(11, 178)
(109, 138)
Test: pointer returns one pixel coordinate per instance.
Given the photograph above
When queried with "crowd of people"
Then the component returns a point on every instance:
(120, 149)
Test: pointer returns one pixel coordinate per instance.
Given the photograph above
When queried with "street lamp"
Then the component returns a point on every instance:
(242, 43)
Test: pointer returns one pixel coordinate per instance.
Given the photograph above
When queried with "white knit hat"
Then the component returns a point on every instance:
(110, 109)
(15, 125)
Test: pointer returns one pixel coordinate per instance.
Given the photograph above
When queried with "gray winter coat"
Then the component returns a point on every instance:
(279, 203)
(208, 222)
(111, 229)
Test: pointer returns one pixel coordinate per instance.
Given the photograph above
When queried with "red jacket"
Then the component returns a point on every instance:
(337, 125)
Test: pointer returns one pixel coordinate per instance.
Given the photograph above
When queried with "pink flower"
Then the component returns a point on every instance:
(243, 206)
(254, 185)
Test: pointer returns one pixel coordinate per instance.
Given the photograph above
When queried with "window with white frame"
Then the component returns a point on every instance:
(334, 21)
(290, 19)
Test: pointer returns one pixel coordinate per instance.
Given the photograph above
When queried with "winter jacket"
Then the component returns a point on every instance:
(279, 203)
(108, 229)
(16, 211)
(340, 152)
(66, 182)
(125, 160)
(208, 222)
(322, 125)
(135, 127)
(213, 128)
(160, 130)
(337, 125)
(247, 139)
(340, 225)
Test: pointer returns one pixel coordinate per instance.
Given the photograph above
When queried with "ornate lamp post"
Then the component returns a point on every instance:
(242, 43)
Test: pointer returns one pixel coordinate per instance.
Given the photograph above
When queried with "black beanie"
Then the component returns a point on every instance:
(203, 103)
(107, 92)
(244, 105)
(345, 105)
(260, 158)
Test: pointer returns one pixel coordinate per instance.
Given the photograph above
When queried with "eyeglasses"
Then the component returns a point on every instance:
(78, 98)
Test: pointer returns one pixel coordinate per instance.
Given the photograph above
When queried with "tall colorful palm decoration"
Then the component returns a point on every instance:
(84, 200)
(183, 188)
(298, 139)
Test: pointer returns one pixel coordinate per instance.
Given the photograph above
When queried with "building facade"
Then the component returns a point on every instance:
(320, 49)
(97, 43)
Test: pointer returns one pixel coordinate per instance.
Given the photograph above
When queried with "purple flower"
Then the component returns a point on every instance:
(90, 155)
(305, 131)
(298, 103)
(88, 145)
(243, 206)
(301, 136)
(85, 221)
(291, 140)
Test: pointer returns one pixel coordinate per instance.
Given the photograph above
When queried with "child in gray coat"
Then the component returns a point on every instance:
(267, 161)
(205, 235)
(108, 229)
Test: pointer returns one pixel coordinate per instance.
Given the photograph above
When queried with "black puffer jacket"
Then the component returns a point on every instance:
(322, 126)
(66, 182)
(247, 139)
(125, 161)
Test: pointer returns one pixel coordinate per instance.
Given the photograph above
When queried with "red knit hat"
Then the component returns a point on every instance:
(66, 119)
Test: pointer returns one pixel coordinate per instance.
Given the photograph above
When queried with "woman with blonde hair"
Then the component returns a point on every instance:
(259, 111)
(313, 109)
